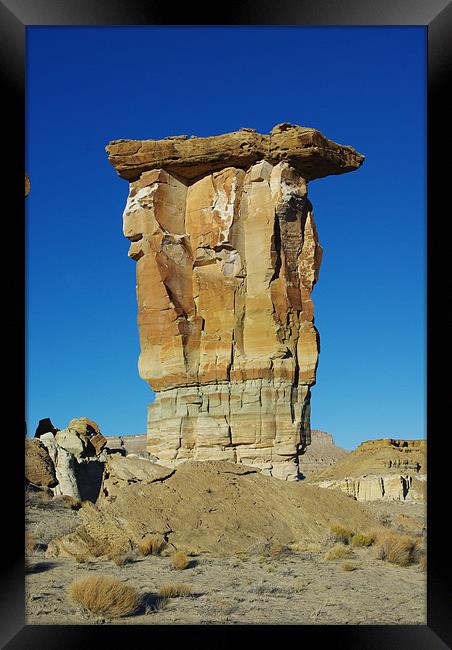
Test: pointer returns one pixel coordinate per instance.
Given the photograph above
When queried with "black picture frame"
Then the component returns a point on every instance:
(15, 17)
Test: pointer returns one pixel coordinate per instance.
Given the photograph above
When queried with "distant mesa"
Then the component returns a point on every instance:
(321, 453)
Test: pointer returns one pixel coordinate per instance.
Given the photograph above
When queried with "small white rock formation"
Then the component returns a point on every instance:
(78, 458)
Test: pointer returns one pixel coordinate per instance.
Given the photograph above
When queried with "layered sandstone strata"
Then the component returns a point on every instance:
(380, 470)
(227, 256)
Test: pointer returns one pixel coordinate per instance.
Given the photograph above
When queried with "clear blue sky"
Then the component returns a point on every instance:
(360, 86)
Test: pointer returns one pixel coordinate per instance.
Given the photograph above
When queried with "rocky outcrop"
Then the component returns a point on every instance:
(305, 149)
(382, 488)
(321, 453)
(386, 470)
(78, 457)
(227, 255)
(120, 471)
(39, 469)
(45, 426)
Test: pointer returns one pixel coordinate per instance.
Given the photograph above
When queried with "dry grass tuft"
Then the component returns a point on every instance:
(408, 525)
(175, 590)
(179, 560)
(151, 545)
(104, 595)
(423, 561)
(31, 543)
(341, 533)
(122, 558)
(156, 604)
(397, 549)
(377, 533)
(348, 566)
(362, 539)
(337, 552)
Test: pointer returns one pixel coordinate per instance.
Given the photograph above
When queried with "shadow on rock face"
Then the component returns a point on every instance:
(89, 479)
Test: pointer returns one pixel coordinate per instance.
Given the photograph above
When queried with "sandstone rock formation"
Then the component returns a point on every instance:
(227, 255)
(120, 471)
(39, 469)
(75, 454)
(321, 453)
(387, 470)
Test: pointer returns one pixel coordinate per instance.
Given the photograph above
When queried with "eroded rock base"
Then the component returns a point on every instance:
(254, 422)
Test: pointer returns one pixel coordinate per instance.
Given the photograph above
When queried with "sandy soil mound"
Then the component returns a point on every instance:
(212, 507)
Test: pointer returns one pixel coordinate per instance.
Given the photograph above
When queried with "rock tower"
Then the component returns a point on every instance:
(227, 255)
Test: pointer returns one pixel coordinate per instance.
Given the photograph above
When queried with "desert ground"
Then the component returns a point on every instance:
(265, 586)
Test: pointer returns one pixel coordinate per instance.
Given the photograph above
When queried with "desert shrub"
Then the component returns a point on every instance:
(151, 545)
(362, 539)
(341, 533)
(153, 604)
(397, 549)
(179, 560)
(348, 566)
(104, 595)
(384, 519)
(174, 590)
(337, 552)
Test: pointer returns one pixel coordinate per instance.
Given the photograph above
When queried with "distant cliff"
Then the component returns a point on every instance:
(320, 454)
(386, 469)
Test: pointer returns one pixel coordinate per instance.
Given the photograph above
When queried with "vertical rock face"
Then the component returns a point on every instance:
(226, 263)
